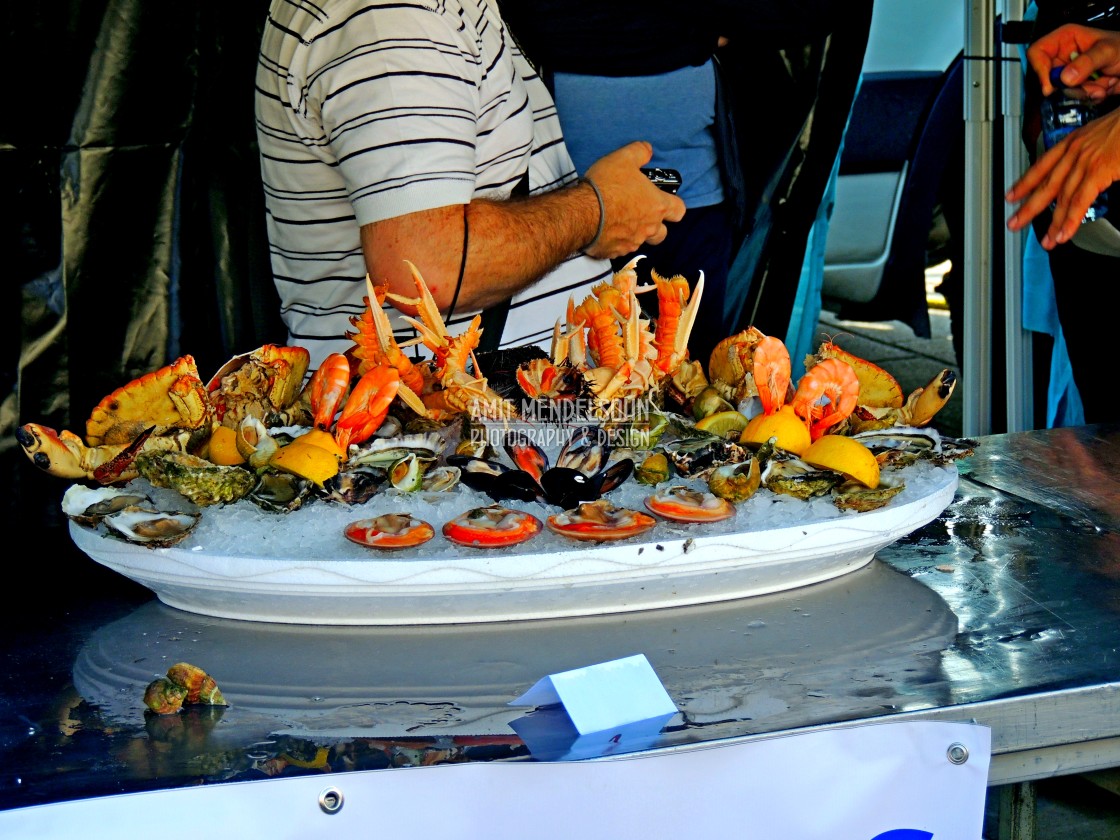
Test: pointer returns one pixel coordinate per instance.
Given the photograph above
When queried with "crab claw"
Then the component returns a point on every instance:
(925, 402)
(63, 454)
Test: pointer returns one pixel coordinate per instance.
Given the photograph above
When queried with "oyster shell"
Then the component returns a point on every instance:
(201, 481)
(147, 526)
(851, 495)
(384, 452)
(89, 505)
(735, 482)
(281, 492)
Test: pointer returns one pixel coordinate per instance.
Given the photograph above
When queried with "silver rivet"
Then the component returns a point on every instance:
(330, 800)
(957, 753)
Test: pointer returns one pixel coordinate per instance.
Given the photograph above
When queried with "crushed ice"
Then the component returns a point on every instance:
(315, 531)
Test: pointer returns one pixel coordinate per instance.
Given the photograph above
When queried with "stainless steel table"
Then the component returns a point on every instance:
(1004, 611)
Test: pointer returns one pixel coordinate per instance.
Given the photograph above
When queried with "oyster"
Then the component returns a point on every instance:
(89, 505)
(851, 495)
(201, 481)
(900, 446)
(735, 482)
(281, 492)
(147, 526)
(384, 452)
(693, 457)
(354, 485)
(793, 477)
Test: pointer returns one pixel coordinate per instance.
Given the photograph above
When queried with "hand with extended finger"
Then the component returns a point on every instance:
(1070, 176)
(634, 211)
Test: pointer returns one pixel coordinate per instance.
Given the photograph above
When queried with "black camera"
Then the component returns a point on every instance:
(665, 179)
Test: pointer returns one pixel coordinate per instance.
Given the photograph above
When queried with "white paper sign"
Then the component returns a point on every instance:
(604, 696)
(884, 781)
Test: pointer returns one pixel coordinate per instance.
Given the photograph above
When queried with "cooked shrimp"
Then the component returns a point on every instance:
(327, 388)
(772, 372)
(826, 395)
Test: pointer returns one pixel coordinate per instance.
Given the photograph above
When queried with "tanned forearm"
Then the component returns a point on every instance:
(515, 243)
(511, 244)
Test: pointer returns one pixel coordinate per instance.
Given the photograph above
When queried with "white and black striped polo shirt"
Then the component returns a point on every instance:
(368, 110)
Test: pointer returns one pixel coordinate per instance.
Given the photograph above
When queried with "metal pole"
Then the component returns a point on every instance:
(976, 367)
(1020, 393)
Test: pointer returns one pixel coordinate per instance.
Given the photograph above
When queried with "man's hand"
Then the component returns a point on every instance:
(1085, 162)
(635, 210)
(1089, 58)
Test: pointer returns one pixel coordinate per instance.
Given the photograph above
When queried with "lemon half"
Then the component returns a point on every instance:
(844, 455)
(790, 430)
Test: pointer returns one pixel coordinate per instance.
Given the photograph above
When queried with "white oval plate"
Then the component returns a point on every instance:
(299, 568)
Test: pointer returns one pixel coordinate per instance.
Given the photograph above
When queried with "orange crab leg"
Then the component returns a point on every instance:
(115, 467)
(368, 406)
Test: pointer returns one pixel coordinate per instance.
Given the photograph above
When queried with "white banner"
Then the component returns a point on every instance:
(883, 781)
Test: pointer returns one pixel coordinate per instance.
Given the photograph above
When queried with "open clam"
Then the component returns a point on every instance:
(391, 531)
(492, 527)
(600, 521)
(683, 504)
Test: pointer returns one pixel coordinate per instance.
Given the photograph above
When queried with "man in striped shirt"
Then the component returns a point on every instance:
(417, 131)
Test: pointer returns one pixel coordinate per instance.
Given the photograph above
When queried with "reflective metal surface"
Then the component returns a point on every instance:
(1003, 610)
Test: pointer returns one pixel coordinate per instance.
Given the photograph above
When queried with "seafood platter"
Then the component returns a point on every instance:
(611, 474)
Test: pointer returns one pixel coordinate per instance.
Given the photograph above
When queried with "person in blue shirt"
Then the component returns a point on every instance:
(626, 70)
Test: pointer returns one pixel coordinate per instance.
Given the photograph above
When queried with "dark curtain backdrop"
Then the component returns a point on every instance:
(131, 185)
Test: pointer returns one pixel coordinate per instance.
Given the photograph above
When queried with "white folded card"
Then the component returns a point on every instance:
(615, 706)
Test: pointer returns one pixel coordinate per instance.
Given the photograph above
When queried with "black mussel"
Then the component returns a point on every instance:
(614, 475)
(526, 454)
(497, 481)
(567, 488)
(587, 450)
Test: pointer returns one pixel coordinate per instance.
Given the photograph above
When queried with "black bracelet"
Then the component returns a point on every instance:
(602, 212)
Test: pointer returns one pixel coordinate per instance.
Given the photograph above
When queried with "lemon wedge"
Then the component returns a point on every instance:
(223, 447)
(322, 439)
(790, 430)
(725, 424)
(306, 460)
(844, 455)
